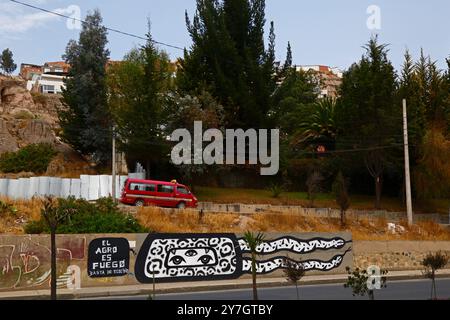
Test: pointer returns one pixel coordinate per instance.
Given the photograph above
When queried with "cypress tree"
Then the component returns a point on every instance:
(228, 58)
(85, 121)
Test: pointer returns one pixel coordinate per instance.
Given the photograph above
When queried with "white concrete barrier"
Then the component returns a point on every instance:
(105, 187)
(13, 188)
(55, 187)
(84, 187)
(65, 188)
(4, 187)
(94, 187)
(44, 186)
(87, 187)
(24, 185)
(33, 190)
(75, 188)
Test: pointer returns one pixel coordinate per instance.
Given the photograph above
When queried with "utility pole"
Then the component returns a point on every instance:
(407, 173)
(113, 186)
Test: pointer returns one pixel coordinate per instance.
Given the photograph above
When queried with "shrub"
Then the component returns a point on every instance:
(358, 281)
(276, 190)
(85, 217)
(32, 158)
(7, 209)
(24, 115)
(432, 263)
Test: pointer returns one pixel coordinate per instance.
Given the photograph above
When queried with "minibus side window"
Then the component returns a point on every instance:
(150, 188)
(165, 189)
(182, 190)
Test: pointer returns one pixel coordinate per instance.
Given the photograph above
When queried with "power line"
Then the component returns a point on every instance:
(107, 28)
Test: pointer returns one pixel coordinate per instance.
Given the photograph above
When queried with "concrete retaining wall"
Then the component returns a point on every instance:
(319, 212)
(396, 255)
(25, 260)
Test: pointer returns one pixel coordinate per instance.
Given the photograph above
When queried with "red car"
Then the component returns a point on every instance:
(159, 193)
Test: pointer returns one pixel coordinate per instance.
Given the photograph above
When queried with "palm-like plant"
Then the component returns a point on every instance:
(320, 126)
(253, 241)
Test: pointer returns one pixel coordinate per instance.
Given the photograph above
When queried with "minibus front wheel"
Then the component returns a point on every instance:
(139, 203)
(181, 205)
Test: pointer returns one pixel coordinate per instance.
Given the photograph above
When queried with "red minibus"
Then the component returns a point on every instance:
(159, 193)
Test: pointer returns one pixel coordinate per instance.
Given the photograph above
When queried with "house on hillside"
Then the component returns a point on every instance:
(48, 78)
(329, 79)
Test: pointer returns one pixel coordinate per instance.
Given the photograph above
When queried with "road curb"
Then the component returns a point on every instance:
(98, 293)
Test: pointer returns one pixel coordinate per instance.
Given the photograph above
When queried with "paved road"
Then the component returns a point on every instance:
(398, 290)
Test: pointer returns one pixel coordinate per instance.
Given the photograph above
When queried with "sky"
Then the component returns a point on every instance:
(325, 32)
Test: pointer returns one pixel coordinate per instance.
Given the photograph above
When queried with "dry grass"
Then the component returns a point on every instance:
(188, 221)
(12, 221)
(185, 221)
(171, 221)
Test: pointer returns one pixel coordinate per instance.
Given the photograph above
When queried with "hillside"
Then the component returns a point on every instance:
(28, 118)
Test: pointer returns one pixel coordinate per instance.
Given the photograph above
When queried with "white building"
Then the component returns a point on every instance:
(330, 79)
(46, 83)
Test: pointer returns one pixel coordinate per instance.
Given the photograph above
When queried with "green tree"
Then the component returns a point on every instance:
(431, 175)
(53, 215)
(137, 88)
(182, 111)
(340, 190)
(294, 272)
(433, 90)
(358, 281)
(432, 263)
(229, 59)
(7, 62)
(253, 241)
(409, 89)
(319, 128)
(85, 120)
(369, 118)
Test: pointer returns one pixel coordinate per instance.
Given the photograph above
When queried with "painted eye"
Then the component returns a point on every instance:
(205, 259)
(191, 253)
(177, 260)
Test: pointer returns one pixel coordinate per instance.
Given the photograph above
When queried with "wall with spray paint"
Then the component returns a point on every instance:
(125, 259)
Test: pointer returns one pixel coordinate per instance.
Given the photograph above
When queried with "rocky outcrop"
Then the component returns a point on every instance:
(28, 118)
(7, 141)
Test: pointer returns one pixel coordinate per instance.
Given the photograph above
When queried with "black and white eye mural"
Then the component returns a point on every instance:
(196, 257)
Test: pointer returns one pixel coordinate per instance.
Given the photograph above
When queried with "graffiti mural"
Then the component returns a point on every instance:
(108, 257)
(26, 262)
(196, 257)
(99, 260)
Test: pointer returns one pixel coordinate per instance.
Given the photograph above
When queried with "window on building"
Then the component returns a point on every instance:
(47, 88)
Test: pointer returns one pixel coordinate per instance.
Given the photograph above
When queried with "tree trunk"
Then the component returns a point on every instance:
(433, 286)
(378, 190)
(53, 264)
(371, 295)
(296, 288)
(255, 291)
(342, 218)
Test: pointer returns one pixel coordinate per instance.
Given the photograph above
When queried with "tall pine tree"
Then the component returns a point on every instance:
(137, 89)
(7, 62)
(85, 121)
(368, 116)
(229, 59)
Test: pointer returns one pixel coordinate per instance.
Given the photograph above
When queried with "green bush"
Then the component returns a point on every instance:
(7, 209)
(276, 190)
(32, 158)
(85, 217)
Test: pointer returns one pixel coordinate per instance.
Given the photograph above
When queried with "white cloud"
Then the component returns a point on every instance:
(17, 19)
